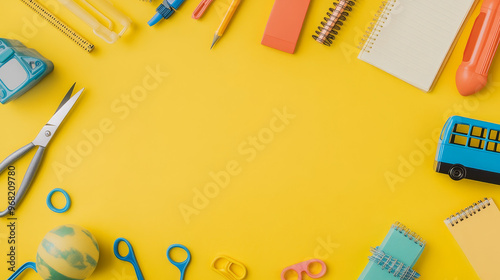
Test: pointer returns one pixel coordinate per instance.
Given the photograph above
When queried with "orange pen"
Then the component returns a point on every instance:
(472, 75)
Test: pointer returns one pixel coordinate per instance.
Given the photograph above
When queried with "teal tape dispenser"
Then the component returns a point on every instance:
(20, 69)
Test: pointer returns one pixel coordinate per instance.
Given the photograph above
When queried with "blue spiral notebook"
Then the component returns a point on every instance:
(396, 256)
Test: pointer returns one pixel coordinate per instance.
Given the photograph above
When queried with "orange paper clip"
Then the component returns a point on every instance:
(472, 75)
(202, 7)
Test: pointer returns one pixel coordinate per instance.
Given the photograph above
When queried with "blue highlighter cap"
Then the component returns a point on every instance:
(156, 18)
(165, 10)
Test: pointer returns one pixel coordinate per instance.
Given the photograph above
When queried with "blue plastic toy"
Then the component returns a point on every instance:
(469, 149)
(130, 257)
(182, 266)
(52, 207)
(20, 69)
(165, 10)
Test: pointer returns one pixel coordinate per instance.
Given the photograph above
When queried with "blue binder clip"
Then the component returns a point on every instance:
(20, 69)
(165, 10)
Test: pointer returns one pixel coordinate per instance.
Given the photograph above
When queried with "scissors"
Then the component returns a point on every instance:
(182, 266)
(130, 257)
(305, 267)
(42, 139)
(22, 268)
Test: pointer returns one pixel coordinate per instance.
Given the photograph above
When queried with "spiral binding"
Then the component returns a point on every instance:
(468, 212)
(332, 24)
(380, 19)
(397, 268)
(408, 233)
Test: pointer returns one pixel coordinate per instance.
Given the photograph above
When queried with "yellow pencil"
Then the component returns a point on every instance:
(225, 21)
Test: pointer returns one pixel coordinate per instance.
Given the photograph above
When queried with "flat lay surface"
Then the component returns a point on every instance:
(263, 156)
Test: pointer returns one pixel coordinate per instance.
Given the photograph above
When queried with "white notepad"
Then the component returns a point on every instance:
(413, 39)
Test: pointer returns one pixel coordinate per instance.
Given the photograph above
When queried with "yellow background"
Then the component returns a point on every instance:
(321, 179)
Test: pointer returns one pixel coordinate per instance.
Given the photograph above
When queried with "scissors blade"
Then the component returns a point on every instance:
(48, 131)
(66, 97)
(61, 114)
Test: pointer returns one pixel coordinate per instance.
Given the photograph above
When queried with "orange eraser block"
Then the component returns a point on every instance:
(284, 24)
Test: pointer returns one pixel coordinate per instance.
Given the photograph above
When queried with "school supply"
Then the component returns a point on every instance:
(330, 27)
(469, 149)
(472, 75)
(20, 69)
(392, 265)
(55, 261)
(402, 245)
(130, 257)
(201, 8)
(60, 25)
(284, 25)
(51, 206)
(305, 267)
(22, 268)
(105, 33)
(476, 230)
(182, 266)
(225, 21)
(413, 39)
(41, 141)
(230, 268)
(165, 10)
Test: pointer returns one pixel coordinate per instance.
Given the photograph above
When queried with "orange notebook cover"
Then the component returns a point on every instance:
(477, 230)
(285, 23)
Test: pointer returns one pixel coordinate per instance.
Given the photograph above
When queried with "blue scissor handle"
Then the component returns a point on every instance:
(182, 266)
(130, 257)
(22, 268)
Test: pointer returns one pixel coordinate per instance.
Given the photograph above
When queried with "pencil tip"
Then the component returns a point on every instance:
(216, 38)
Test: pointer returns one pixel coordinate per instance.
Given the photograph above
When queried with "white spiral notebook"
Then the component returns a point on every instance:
(413, 39)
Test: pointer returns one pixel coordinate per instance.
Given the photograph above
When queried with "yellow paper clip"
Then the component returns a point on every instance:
(106, 33)
(229, 268)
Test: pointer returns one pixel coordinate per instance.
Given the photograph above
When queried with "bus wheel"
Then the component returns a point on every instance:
(457, 172)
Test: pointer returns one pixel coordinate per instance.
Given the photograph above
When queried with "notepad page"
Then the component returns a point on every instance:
(414, 41)
(479, 238)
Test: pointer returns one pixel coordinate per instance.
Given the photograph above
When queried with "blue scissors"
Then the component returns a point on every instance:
(41, 141)
(130, 257)
(182, 266)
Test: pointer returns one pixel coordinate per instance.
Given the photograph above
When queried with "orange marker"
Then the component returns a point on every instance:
(472, 75)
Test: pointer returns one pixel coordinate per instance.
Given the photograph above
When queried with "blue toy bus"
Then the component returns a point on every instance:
(469, 149)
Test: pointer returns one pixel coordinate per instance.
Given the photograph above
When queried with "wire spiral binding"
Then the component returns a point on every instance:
(380, 19)
(408, 233)
(393, 266)
(335, 19)
(468, 212)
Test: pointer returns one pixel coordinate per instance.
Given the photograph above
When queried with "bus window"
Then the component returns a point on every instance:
(476, 143)
(493, 147)
(478, 132)
(458, 140)
(493, 135)
(461, 128)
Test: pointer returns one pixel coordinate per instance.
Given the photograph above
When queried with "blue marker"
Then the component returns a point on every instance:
(165, 10)
(20, 69)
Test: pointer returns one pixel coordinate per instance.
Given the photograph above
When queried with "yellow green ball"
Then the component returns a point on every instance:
(68, 252)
